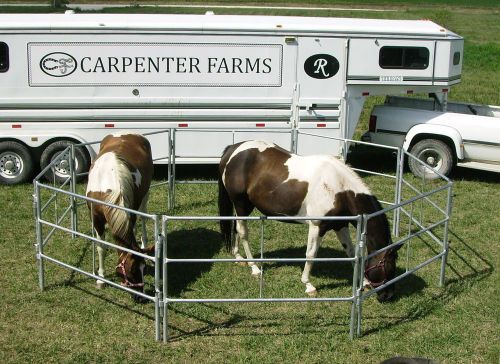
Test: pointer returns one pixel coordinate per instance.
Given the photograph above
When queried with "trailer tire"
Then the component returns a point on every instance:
(60, 172)
(436, 154)
(16, 163)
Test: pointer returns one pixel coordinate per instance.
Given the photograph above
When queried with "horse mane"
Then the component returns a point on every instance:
(121, 195)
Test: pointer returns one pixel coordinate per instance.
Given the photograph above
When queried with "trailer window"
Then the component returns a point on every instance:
(416, 58)
(456, 58)
(4, 57)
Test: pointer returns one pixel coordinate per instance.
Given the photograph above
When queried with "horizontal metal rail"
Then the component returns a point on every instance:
(256, 300)
(257, 260)
(401, 276)
(103, 242)
(98, 202)
(96, 277)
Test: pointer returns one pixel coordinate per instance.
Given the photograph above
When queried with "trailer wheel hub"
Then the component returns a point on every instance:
(10, 165)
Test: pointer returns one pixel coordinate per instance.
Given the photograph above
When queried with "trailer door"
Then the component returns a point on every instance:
(321, 77)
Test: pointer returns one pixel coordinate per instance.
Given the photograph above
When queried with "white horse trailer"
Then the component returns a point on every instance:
(212, 80)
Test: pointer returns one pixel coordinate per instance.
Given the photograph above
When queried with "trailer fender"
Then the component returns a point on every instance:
(439, 131)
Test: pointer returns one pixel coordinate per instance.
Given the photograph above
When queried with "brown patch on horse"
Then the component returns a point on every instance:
(267, 188)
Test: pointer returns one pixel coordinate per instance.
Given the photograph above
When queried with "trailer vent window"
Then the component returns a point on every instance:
(416, 58)
(4, 57)
(456, 58)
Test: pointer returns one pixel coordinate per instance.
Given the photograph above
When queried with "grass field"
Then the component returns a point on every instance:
(72, 322)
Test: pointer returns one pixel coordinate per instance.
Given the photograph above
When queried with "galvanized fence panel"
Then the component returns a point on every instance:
(417, 211)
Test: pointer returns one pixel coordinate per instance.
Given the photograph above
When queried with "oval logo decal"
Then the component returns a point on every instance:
(321, 66)
(58, 64)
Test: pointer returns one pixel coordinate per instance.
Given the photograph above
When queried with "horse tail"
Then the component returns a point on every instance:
(226, 208)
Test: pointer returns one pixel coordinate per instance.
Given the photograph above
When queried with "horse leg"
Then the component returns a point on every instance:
(99, 223)
(143, 208)
(313, 242)
(242, 231)
(345, 239)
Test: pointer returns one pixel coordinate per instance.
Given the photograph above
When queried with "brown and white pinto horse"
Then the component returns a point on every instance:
(121, 175)
(262, 175)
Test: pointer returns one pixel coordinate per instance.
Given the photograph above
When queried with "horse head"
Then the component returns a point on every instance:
(381, 267)
(130, 269)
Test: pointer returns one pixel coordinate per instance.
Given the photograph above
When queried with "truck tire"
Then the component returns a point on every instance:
(60, 171)
(433, 152)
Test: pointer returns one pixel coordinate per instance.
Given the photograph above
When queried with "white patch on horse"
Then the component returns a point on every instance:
(323, 174)
(110, 175)
(103, 176)
(252, 144)
(137, 177)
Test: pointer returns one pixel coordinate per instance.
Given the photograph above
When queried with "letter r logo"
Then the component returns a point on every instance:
(320, 65)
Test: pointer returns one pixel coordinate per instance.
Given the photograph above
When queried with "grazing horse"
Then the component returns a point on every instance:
(262, 175)
(121, 175)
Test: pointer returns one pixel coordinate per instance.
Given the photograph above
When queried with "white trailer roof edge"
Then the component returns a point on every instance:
(214, 23)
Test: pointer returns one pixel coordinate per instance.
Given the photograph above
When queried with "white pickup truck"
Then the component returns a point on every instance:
(467, 135)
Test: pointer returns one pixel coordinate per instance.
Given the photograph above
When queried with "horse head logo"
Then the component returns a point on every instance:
(321, 66)
(58, 64)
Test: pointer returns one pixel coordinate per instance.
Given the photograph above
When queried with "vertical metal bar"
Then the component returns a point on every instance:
(169, 170)
(355, 279)
(72, 183)
(445, 237)
(397, 197)
(172, 188)
(39, 239)
(93, 235)
(361, 273)
(408, 245)
(165, 283)
(261, 281)
(158, 291)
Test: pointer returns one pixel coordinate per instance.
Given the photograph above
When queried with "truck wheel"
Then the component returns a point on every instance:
(16, 164)
(61, 169)
(436, 154)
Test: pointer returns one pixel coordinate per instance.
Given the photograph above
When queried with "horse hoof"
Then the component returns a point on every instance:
(311, 290)
(256, 272)
(100, 284)
(312, 293)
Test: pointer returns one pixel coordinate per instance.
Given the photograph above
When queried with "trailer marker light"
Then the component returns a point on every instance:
(445, 90)
(365, 93)
(260, 125)
(16, 126)
(109, 125)
(182, 125)
(409, 92)
(321, 125)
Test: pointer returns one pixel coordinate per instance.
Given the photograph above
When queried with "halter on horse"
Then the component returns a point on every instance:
(262, 175)
(121, 175)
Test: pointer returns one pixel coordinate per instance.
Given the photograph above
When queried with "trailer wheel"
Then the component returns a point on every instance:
(433, 152)
(61, 169)
(16, 164)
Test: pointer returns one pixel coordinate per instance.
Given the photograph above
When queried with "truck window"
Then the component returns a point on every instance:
(4, 57)
(416, 58)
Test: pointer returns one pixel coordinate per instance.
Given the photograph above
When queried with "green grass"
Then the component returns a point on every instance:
(73, 322)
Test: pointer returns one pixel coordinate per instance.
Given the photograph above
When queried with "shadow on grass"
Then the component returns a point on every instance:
(469, 268)
(189, 244)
